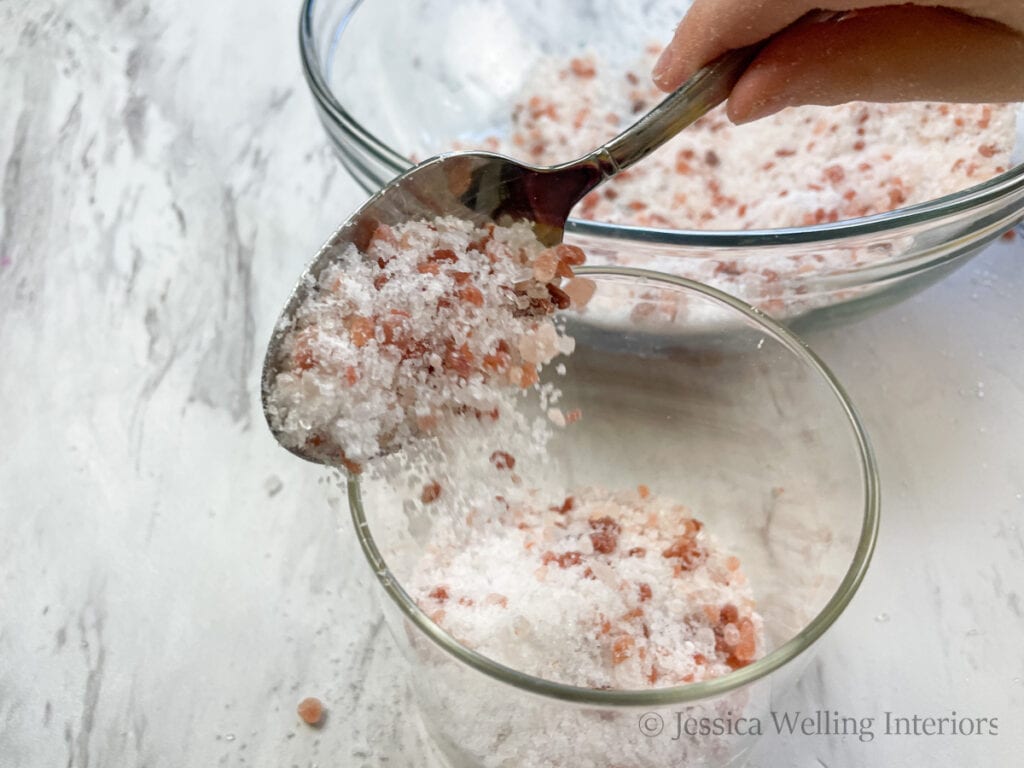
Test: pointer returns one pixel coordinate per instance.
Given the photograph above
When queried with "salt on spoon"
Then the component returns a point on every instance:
(435, 323)
(482, 188)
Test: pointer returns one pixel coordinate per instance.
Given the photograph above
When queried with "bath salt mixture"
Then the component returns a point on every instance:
(597, 589)
(411, 355)
(433, 322)
(800, 167)
(803, 166)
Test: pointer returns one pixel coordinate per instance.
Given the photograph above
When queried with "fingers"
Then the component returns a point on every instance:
(894, 53)
(712, 27)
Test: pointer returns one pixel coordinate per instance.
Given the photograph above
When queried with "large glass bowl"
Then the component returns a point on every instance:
(730, 415)
(391, 77)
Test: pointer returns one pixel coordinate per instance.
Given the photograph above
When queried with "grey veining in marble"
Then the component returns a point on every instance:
(172, 583)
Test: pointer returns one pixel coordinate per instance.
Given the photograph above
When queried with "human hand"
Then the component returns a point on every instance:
(847, 50)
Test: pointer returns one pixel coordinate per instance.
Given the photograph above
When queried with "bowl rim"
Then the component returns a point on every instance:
(991, 190)
(692, 692)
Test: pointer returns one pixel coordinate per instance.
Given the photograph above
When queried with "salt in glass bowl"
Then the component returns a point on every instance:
(392, 77)
(730, 415)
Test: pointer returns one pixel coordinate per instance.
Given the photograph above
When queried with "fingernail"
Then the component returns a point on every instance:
(664, 65)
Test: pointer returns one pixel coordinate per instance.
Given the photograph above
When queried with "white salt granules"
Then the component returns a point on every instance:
(802, 166)
(437, 321)
(618, 590)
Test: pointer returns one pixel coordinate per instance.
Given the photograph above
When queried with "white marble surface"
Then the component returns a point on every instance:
(171, 583)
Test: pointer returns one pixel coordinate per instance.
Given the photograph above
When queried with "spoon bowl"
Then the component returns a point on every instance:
(484, 187)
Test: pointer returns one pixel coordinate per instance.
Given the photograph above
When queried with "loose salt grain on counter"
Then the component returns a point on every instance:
(621, 590)
(435, 321)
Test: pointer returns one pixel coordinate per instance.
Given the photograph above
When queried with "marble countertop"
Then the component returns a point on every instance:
(172, 583)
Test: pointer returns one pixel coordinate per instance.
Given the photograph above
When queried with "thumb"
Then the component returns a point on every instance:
(888, 54)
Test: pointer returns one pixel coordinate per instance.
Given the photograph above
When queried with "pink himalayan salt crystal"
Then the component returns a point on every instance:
(311, 710)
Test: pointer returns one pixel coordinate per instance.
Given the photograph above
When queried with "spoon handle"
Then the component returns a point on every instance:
(697, 96)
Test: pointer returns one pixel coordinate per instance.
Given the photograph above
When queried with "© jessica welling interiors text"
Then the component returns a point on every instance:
(818, 723)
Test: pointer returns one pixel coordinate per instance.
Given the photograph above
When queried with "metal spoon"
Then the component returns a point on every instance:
(482, 187)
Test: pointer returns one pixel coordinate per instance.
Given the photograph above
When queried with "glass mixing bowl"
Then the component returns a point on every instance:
(730, 415)
(393, 79)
